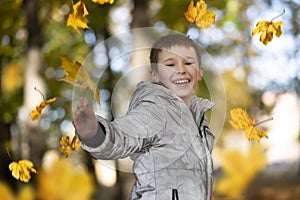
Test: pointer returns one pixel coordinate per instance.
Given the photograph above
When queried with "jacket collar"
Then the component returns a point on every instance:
(199, 106)
(147, 90)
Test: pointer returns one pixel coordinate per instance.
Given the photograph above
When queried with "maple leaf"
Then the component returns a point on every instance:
(191, 12)
(36, 113)
(103, 1)
(78, 76)
(68, 146)
(240, 120)
(22, 169)
(268, 29)
(78, 19)
(199, 14)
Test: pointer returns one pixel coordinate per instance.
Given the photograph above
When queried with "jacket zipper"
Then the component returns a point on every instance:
(175, 194)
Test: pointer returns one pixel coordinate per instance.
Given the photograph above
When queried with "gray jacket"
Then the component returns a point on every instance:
(169, 143)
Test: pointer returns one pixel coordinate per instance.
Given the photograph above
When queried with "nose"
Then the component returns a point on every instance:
(180, 69)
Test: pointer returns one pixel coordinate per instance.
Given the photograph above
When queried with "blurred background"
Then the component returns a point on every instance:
(264, 80)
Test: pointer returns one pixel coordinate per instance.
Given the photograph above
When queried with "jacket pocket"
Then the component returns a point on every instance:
(175, 194)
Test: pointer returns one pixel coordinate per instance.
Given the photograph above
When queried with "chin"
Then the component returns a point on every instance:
(184, 94)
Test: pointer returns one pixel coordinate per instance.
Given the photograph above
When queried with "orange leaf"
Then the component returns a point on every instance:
(240, 120)
(101, 2)
(268, 29)
(68, 146)
(191, 12)
(199, 14)
(78, 76)
(22, 169)
(36, 113)
(78, 19)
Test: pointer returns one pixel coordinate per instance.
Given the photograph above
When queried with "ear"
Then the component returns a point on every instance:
(200, 73)
(154, 75)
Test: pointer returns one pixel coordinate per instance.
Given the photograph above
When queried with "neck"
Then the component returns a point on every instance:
(187, 101)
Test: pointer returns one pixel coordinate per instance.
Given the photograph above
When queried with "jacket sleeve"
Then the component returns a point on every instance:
(135, 132)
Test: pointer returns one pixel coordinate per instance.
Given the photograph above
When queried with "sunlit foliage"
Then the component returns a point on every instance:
(11, 78)
(239, 169)
(26, 193)
(63, 180)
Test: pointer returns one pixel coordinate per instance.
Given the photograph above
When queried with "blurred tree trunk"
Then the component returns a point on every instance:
(141, 37)
(33, 142)
(139, 14)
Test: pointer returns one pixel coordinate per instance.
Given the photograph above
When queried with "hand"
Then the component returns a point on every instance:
(84, 119)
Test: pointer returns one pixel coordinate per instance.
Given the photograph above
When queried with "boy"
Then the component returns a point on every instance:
(164, 130)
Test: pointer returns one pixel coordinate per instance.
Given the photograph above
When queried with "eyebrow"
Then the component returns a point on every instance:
(190, 57)
(186, 58)
(168, 59)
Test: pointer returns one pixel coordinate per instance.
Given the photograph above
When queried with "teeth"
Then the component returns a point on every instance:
(181, 81)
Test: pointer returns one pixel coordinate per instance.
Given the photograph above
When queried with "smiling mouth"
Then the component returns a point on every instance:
(181, 81)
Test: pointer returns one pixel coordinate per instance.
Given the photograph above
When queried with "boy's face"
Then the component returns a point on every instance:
(178, 69)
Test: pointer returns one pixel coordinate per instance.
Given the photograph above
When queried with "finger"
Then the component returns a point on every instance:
(85, 101)
(79, 113)
(79, 105)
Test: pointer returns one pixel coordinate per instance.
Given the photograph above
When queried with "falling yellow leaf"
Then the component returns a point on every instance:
(103, 1)
(254, 133)
(78, 19)
(68, 146)
(205, 20)
(78, 76)
(268, 29)
(191, 12)
(240, 120)
(36, 113)
(199, 14)
(22, 169)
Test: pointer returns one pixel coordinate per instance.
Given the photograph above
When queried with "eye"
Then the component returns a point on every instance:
(170, 64)
(189, 63)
